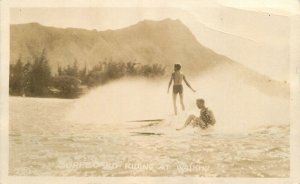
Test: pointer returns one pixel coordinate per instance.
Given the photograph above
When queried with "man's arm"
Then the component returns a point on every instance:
(212, 117)
(171, 79)
(188, 84)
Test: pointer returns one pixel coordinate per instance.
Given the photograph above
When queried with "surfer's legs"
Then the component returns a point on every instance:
(188, 121)
(174, 103)
(181, 101)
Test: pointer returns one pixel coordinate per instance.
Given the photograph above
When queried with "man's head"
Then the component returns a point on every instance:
(177, 67)
(200, 103)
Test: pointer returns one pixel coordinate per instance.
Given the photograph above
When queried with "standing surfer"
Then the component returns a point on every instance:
(177, 78)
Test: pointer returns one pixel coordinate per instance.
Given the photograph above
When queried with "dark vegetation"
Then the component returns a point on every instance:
(34, 78)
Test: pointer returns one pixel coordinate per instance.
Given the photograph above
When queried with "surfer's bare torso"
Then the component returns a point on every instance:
(178, 77)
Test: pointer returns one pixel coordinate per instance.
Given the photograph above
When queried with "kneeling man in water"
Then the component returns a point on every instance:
(205, 119)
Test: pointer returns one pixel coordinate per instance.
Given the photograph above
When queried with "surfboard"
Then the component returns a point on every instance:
(147, 120)
(145, 123)
(146, 133)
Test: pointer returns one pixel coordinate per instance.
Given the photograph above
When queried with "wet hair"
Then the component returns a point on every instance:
(177, 67)
(200, 100)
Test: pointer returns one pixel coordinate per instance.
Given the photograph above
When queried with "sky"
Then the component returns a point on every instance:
(55, 17)
(242, 30)
(275, 6)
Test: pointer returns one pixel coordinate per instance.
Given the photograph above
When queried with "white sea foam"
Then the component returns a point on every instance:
(238, 107)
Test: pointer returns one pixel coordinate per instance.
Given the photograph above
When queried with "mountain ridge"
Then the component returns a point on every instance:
(165, 42)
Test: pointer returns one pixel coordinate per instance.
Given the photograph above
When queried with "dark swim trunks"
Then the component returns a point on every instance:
(177, 89)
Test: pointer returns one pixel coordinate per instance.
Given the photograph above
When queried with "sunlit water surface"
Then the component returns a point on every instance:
(45, 142)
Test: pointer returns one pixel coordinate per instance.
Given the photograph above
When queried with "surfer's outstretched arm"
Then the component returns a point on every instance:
(188, 84)
(187, 122)
(171, 79)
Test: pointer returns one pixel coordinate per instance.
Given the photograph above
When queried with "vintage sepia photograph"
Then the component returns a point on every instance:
(196, 90)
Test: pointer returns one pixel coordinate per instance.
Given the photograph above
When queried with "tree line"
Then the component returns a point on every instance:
(34, 78)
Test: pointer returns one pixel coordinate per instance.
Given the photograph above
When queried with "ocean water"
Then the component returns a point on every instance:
(45, 139)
